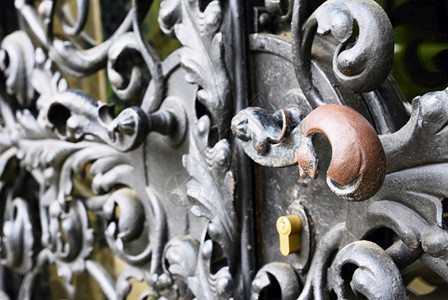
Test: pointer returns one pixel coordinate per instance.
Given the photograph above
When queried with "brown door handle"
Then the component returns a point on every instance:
(358, 162)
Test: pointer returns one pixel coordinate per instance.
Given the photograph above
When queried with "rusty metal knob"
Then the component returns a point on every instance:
(358, 164)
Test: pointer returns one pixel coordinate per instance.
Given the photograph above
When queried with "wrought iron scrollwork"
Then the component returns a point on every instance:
(376, 277)
(276, 273)
(62, 135)
(79, 174)
(360, 63)
(347, 257)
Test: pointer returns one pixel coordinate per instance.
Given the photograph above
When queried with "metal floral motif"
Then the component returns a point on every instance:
(56, 136)
(209, 168)
(203, 53)
(79, 175)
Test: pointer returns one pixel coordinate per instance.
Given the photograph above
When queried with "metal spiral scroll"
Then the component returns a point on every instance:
(363, 59)
(376, 277)
(68, 161)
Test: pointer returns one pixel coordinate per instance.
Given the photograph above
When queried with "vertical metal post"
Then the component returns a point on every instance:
(241, 90)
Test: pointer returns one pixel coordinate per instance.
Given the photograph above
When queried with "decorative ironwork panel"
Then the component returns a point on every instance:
(183, 172)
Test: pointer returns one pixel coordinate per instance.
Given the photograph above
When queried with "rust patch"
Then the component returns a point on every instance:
(358, 162)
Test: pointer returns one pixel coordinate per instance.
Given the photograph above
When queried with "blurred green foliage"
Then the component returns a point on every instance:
(421, 44)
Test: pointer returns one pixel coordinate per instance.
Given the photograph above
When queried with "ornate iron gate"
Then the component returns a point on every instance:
(179, 173)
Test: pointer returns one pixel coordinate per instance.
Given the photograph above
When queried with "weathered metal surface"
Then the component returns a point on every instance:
(358, 163)
(161, 183)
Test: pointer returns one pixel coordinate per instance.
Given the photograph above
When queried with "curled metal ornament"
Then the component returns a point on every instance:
(125, 216)
(17, 238)
(358, 163)
(130, 91)
(362, 62)
(70, 237)
(16, 64)
(276, 273)
(66, 53)
(81, 18)
(67, 229)
(376, 277)
(75, 116)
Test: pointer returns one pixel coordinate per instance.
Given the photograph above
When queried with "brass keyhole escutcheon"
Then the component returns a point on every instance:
(289, 229)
